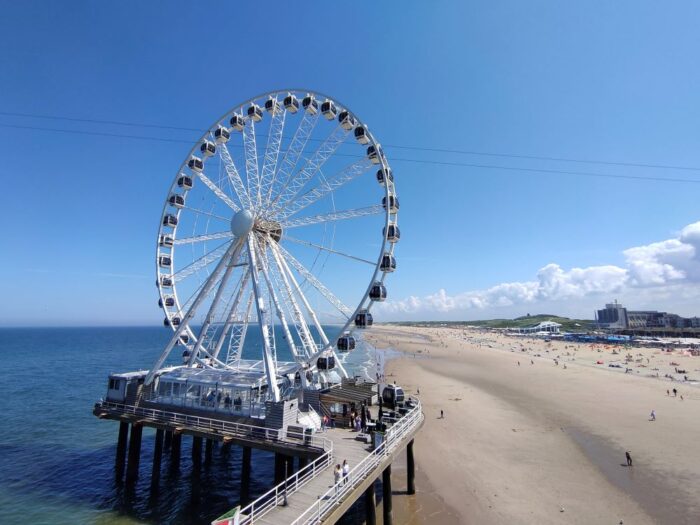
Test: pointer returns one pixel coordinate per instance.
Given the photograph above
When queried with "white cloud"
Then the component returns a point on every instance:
(653, 270)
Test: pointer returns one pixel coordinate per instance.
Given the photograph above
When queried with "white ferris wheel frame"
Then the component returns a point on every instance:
(283, 208)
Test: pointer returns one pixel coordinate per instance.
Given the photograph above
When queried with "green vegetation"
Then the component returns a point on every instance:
(568, 325)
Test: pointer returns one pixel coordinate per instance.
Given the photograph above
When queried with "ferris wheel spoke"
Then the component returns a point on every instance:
(234, 177)
(231, 317)
(215, 302)
(272, 150)
(300, 323)
(201, 262)
(217, 191)
(251, 163)
(184, 324)
(322, 289)
(186, 305)
(278, 305)
(238, 334)
(325, 343)
(268, 358)
(204, 237)
(333, 216)
(327, 186)
(329, 250)
(312, 166)
(208, 214)
(291, 157)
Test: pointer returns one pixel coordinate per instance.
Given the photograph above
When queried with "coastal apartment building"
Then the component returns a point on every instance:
(616, 316)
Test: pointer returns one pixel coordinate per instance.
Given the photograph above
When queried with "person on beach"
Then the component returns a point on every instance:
(629, 458)
(442, 415)
(337, 474)
(346, 471)
(675, 392)
(652, 416)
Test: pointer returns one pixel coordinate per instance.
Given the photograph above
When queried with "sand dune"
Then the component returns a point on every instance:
(537, 443)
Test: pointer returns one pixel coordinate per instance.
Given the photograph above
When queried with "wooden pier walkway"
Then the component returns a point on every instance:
(319, 500)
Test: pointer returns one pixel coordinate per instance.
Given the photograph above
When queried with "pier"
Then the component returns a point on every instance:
(303, 495)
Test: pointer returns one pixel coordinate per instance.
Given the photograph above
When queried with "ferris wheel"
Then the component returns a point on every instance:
(283, 219)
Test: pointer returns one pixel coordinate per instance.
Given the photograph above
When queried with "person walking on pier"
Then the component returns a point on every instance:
(337, 474)
(346, 471)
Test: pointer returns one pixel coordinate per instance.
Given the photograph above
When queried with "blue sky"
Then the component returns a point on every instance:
(600, 81)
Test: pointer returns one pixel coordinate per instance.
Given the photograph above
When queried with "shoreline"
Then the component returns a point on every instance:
(521, 443)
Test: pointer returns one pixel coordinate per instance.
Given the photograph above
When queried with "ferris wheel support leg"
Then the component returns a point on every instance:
(270, 369)
(278, 308)
(312, 314)
(235, 351)
(206, 289)
(232, 314)
(217, 298)
(303, 329)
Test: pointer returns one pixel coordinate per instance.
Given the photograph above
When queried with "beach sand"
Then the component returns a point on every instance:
(537, 443)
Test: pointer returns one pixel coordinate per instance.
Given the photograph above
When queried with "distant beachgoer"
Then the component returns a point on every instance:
(532, 362)
(518, 363)
(668, 393)
(675, 392)
(629, 459)
(418, 391)
(442, 415)
(681, 397)
(337, 474)
(652, 416)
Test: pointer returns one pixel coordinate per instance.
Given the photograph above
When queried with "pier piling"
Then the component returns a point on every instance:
(196, 452)
(370, 505)
(175, 447)
(208, 451)
(168, 439)
(245, 475)
(386, 495)
(157, 455)
(410, 469)
(121, 449)
(280, 461)
(132, 467)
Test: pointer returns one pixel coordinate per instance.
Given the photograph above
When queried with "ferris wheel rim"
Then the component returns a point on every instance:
(386, 247)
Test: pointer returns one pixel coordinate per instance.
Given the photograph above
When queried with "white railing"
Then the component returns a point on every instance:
(364, 468)
(206, 424)
(277, 495)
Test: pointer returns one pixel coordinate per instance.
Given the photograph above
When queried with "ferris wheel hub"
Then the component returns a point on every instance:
(242, 223)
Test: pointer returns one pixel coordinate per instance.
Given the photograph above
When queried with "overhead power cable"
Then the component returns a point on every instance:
(397, 146)
(393, 159)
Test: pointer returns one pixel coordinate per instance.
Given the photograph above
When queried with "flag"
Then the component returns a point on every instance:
(232, 517)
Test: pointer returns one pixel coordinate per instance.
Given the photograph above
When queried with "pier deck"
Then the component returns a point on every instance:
(319, 500)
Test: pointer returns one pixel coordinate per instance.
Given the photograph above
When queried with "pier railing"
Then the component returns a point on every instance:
(206, 424)
(277, 495)
(392, 439)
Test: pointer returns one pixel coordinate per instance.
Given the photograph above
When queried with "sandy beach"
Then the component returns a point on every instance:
(527, 439)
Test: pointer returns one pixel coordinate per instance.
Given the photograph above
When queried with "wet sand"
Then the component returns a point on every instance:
(537, 443)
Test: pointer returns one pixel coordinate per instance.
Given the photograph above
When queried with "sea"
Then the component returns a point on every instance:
(57, 459)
